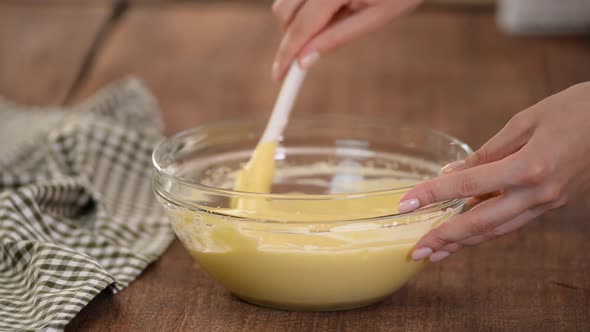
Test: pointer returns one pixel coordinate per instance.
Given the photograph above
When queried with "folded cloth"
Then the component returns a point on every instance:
(77, 213)
(544, 17)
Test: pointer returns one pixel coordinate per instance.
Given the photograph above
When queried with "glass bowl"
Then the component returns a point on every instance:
(328, 236)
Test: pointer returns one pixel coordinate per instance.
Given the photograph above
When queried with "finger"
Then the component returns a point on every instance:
(445, 252)
(362, 21)
(310, 19)
(507, 227)
(480, 220)
(452, 247)
(499, 231)
(507, 141)
(475, 181)
(285, 10)
(475, 200)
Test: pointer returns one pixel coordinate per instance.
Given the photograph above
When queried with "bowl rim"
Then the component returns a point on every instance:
(260, 121)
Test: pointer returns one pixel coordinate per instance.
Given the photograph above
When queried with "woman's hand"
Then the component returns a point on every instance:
(539, 161)
(313, 27)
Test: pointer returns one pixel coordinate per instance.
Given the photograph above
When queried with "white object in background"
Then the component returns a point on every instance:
(345, 180)
(544, 17)
(284, 104)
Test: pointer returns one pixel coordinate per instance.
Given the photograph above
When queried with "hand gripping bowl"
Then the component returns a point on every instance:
(329, 236)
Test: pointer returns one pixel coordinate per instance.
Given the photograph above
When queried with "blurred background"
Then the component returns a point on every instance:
(449, 65)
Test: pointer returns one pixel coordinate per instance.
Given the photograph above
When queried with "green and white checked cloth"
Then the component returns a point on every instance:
(77, 213)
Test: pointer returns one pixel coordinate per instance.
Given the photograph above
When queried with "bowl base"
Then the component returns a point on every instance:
(311, 307)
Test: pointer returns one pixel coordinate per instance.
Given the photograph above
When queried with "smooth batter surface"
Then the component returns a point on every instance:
(319, 262)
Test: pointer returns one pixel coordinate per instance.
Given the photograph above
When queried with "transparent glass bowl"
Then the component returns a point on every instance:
(328, 237)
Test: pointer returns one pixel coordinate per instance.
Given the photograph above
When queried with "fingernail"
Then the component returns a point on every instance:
(408, 205)
(439, 256)
(309, 59)
(421, 253)
(453, 166)
(275, 71)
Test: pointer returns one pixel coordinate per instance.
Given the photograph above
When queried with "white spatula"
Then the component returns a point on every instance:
(284, 104)
(257, 175)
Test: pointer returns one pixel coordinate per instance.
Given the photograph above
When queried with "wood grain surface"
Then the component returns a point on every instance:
(451, 70)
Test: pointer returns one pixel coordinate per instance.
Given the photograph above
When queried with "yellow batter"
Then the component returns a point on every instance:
(258, 173)
(321, 260)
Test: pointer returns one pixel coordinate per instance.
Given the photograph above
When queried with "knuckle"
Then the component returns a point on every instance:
(426, 193)
(550, 193)
(519, 123)
(467, 186)
(331, 40)
(477, 226)
(276, 8)
(535, 172)
(286, 48)
(480, 156)
(496, 233)
(298, 29)
(297, 32)
(453, 247)
(431, 196)
(473, 241)
(580, 87)
(561, 201)
(438, 239)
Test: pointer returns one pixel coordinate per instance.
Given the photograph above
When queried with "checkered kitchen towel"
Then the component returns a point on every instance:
(77, 213)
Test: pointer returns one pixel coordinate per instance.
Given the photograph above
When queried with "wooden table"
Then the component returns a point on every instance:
(451, 70)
